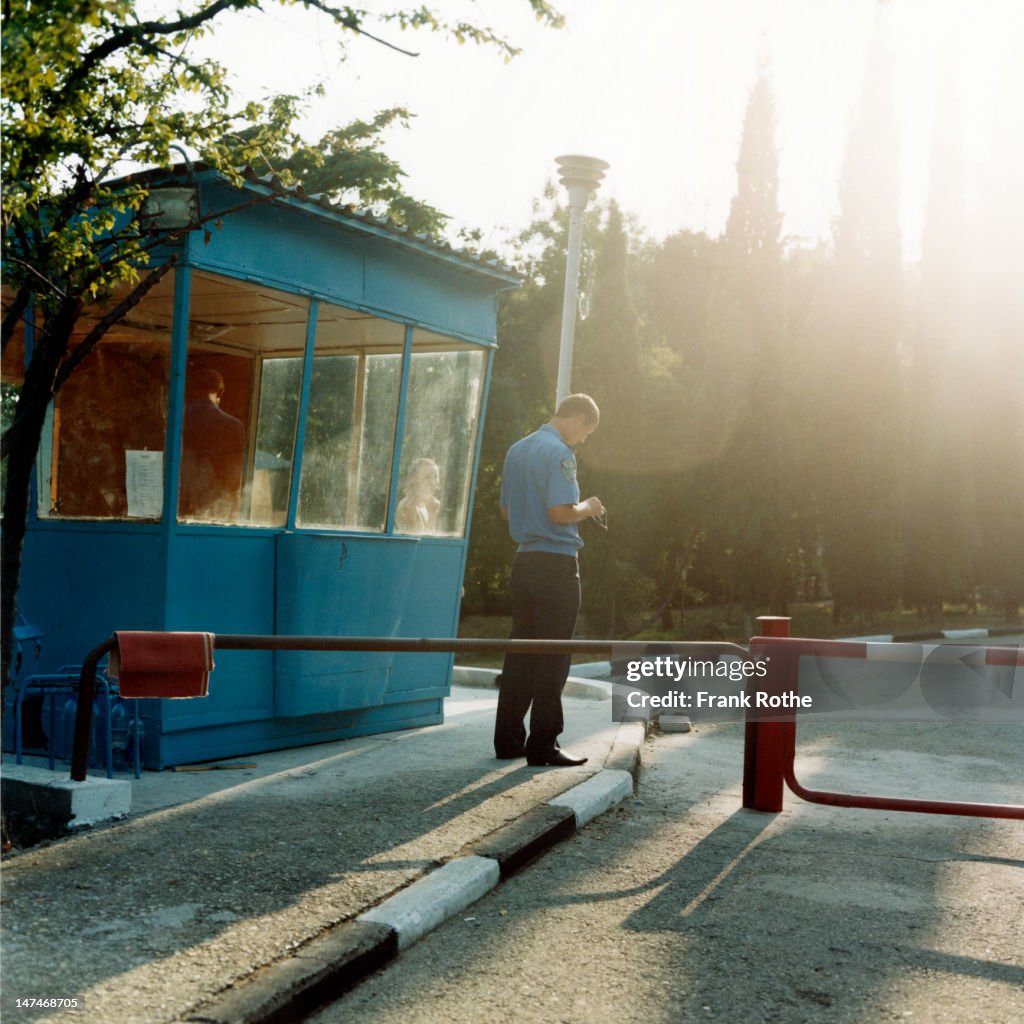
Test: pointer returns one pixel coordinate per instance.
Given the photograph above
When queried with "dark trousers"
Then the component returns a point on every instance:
(545, 605)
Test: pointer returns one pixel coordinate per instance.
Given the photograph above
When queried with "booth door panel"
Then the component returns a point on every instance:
(222, 581)
(328, 585)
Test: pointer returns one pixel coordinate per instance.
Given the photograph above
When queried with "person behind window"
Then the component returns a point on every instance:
(417, 511)
(212, 453)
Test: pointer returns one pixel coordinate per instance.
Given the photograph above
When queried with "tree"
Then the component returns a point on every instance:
(349, 164)
(683, 385)
(612, 463)
(939, 526)
(993, 388)
(91, 87)
(751, 493)
(858, 392)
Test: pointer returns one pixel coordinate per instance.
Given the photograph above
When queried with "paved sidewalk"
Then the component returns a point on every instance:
(231, 895)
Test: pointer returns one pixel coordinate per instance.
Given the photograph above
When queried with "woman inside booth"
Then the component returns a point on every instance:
(417, 511)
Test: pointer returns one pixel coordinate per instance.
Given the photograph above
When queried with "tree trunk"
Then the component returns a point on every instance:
(780, 603)
(666, 617)
(36, 395)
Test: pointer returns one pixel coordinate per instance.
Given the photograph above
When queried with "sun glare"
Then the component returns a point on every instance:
(660, 93)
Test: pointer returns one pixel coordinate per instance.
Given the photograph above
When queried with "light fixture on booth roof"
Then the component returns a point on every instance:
(581, 176)
(171, 207)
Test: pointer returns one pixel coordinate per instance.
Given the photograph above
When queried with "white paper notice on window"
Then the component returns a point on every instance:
(144, 483)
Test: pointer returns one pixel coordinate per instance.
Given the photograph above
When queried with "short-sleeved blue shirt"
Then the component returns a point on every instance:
(539, 473)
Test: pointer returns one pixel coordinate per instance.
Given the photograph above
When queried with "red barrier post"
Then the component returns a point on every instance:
(83, 712)
(768, 747)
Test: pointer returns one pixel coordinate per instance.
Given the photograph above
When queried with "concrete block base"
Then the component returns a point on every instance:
(41, 804)
(674, 723)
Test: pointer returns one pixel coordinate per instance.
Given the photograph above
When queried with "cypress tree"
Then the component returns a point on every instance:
(995, 386)
(752, 494)
(939, 528)
(859, 390)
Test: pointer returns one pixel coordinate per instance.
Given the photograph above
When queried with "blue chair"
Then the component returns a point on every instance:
(51, 687)
(27, 639)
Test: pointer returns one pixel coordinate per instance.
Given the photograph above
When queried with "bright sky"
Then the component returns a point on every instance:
(657, 88)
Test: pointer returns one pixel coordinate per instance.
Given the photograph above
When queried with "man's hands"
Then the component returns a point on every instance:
(589, 509)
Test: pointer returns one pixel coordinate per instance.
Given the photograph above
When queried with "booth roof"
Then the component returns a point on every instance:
(321, 203)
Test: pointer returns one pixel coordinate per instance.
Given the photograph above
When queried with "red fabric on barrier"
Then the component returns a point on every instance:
(149, 664)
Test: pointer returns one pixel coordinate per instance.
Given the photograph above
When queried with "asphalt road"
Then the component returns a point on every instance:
(679, 906)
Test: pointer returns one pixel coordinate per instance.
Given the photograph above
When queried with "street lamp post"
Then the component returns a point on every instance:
(581, 175)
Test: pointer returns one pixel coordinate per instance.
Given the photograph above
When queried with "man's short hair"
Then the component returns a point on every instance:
(578, 405)
(208, 381)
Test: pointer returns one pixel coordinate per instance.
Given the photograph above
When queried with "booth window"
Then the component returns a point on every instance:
(102, 451)
(242, 384)
(350, 425)
(439, 439)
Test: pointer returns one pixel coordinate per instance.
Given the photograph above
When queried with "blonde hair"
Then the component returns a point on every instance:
(417, 472)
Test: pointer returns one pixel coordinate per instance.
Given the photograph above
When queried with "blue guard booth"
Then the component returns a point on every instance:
(281, 438)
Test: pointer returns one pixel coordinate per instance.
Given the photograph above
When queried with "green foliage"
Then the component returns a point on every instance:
(755, 220)
(859, 483)
(785, 427)
(992, 391)
(749, 486)
(350, 165)
(467, 32)
(520, 398)
(89, 85)
(937, 517)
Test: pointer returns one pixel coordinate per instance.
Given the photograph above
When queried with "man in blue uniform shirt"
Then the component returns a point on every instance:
(540, 499)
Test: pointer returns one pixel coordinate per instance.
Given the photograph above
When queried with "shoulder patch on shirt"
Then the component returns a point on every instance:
(569, 469)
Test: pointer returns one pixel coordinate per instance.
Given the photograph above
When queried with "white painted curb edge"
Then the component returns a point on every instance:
(427, 903)
(596, 795)
(399, 921)
(443, 893)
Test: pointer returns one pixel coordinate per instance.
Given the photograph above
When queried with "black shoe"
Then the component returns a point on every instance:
(510, 755)
(556, 759)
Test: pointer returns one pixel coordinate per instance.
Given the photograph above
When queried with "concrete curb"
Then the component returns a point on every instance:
(415, 911)
(514, 845)
(321, 971)
(595, 796)
(336, 961)
(592, 670)
(625, 752)
(946, 634)
(575, 686)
